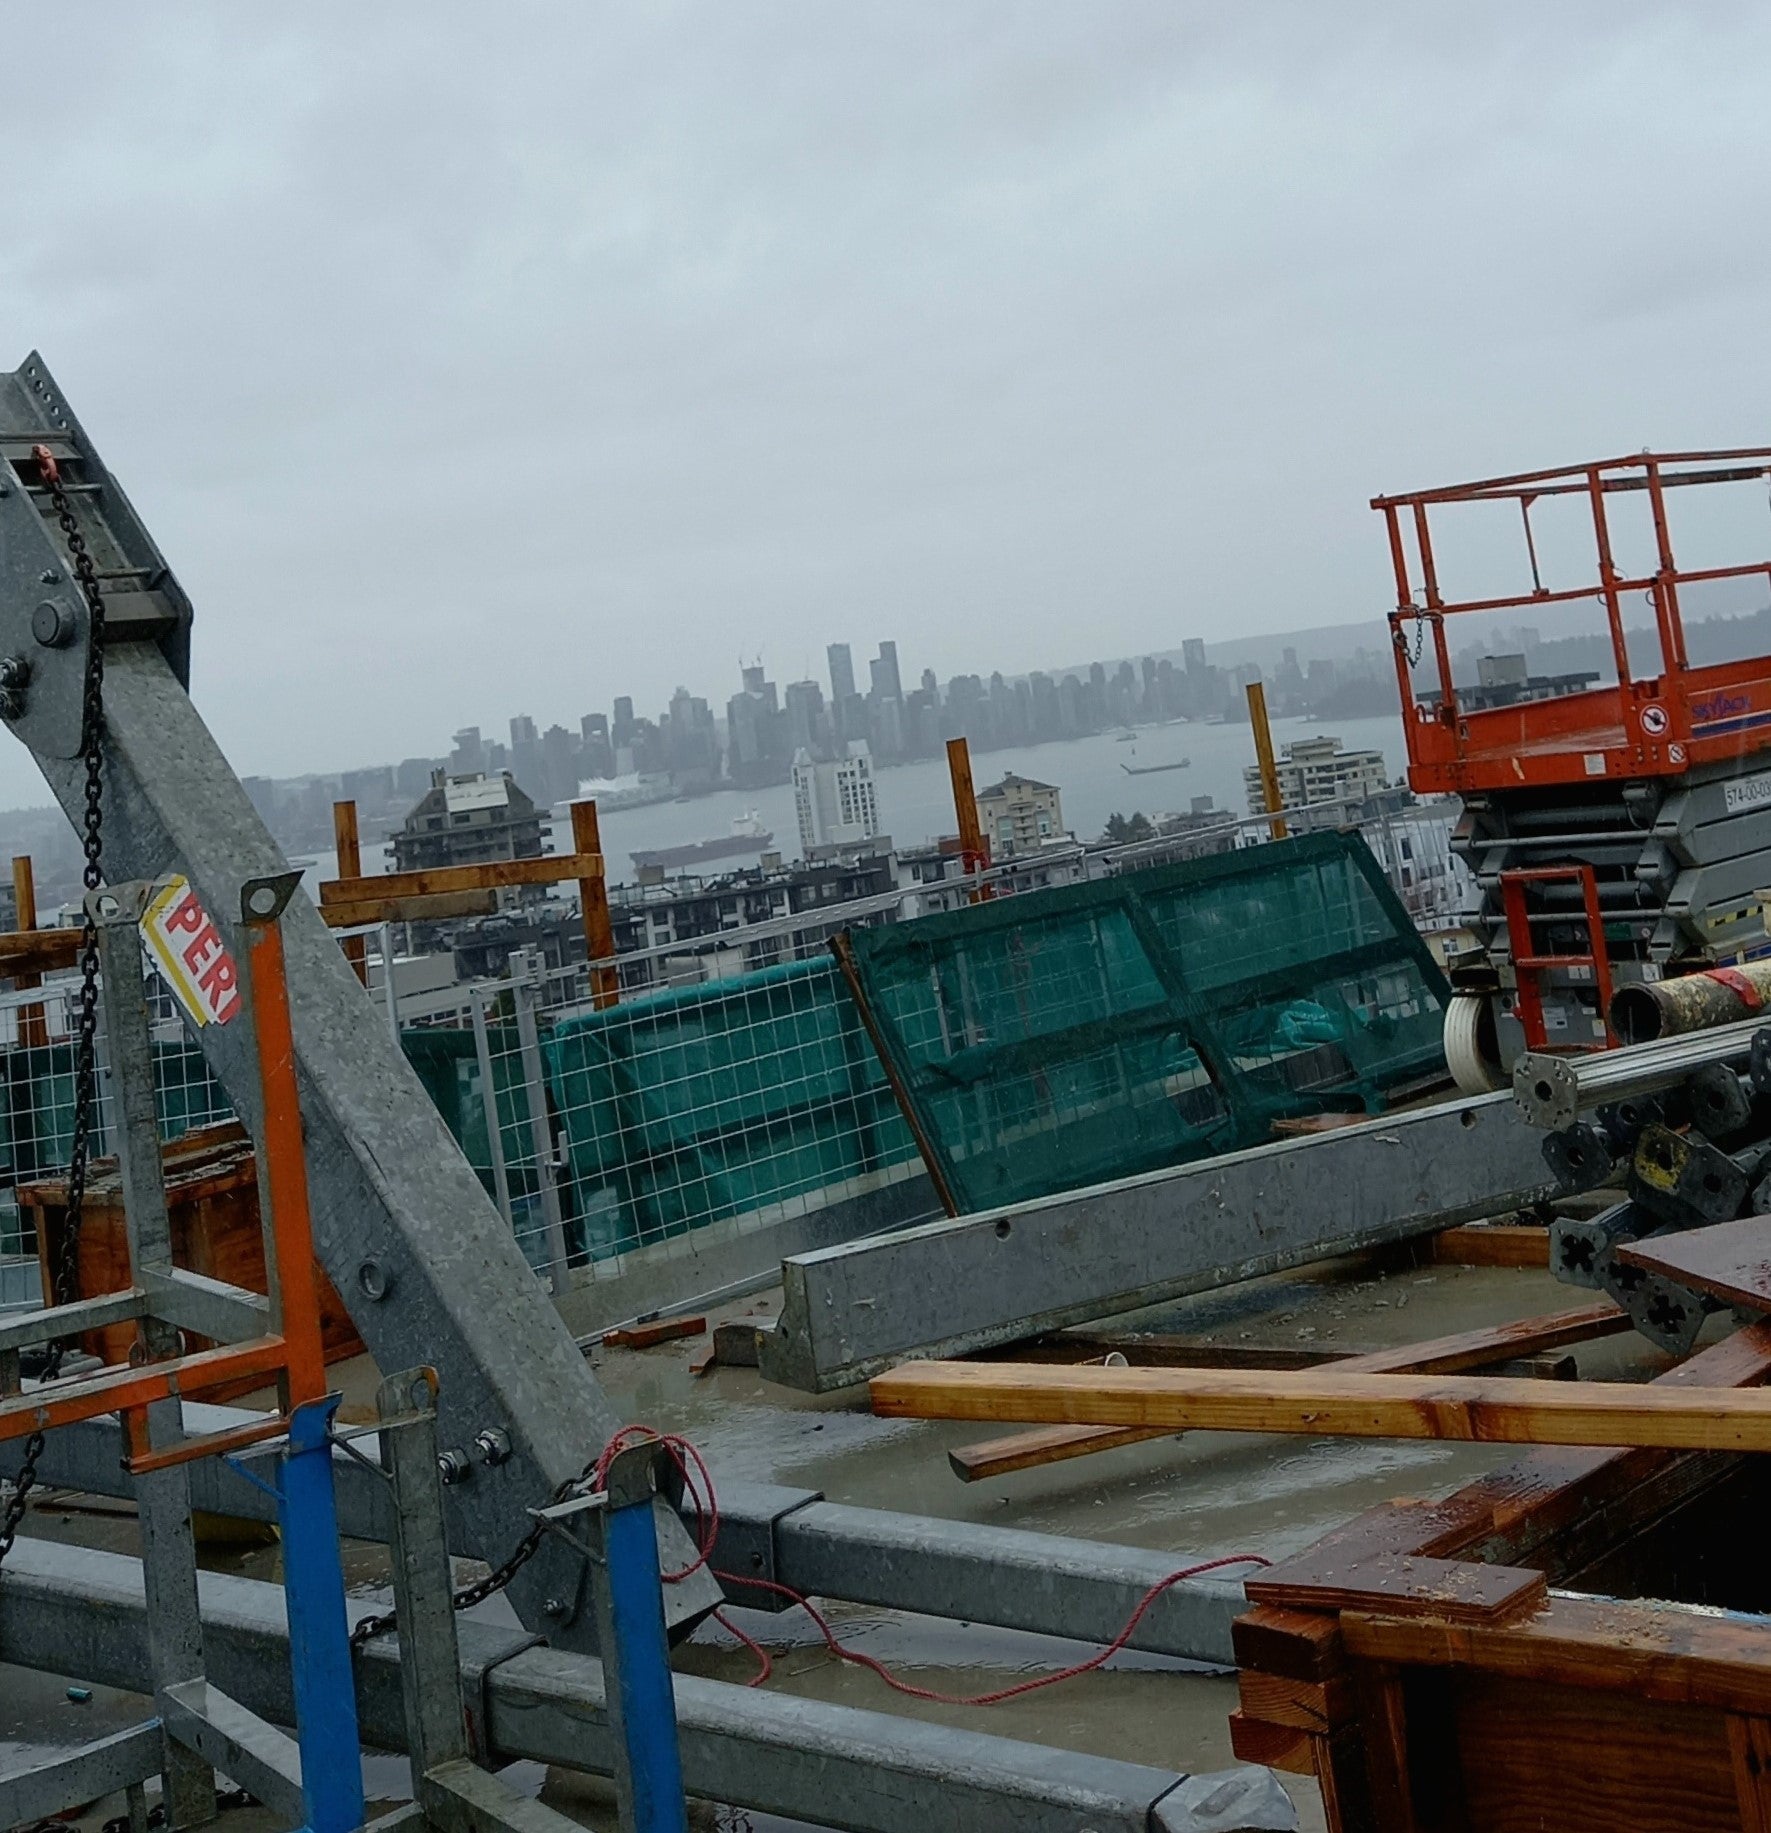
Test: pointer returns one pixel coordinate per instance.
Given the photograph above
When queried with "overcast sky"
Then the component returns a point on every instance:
(473, 360)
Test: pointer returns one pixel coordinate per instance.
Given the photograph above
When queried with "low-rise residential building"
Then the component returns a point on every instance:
(468, 821)
(1020, 815)
(1313, 771)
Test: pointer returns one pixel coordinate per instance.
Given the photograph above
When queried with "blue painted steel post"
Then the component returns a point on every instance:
(636, 1652)
(319, 1631)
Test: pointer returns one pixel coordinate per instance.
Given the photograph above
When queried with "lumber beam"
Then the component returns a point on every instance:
(37, 951)
(439, 881)
(1466, 1349)
(1680, 1654)
(1330, 1403)
(433, 908)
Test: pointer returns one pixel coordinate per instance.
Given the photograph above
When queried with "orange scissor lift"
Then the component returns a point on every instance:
(1598, 821)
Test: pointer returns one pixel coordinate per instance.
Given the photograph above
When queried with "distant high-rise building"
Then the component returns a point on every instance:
(884, 671)
(842, 673)
(468, 757)
(805, 715)
(1193, 654)
(835, 802)
(522, 731)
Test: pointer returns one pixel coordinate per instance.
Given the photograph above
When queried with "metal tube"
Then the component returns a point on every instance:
(1553, 1091)
(482, 1044)
(525, 971)
(1643, 1011)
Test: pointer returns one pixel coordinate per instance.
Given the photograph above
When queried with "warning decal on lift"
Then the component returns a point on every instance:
(190, 954)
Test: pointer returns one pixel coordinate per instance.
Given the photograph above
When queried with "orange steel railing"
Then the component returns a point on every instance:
(290, 1350)
(1659, 725)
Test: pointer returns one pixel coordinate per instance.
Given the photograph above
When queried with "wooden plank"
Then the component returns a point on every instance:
(1400, 1585)
(1749, 1746)
(1272, 1746)
(33, 1022)
(348, 847)
(435, 881)
(663, 1330)
(593, 908)
(1503, 1244)
(1648, 1650)
(408, 909)
(1730, 1260)
(1308, 1705)
(1383, 1725)
(37, 951)
(1540, 1756)
(1333, 1403)
(1294, 1644)
(1446, 1355)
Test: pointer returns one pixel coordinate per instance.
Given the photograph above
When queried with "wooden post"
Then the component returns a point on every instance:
(350, 865)
(974, 848)
(593, 902)
(1263, 750)
(33, 1026)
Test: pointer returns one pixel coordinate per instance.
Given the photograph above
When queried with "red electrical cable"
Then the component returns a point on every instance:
(698, 1486)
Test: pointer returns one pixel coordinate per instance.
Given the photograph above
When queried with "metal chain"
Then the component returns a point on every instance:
(495, 1580)
(1413, 656)
(63, 1281)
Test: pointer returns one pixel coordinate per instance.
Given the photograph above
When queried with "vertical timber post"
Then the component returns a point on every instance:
(1263, 750)
(593, 903)
(974, 849)
(162, 1497)
(33, 1026)
(350, 865)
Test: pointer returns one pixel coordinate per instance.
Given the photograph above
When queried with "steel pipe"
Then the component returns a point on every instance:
(1645, 1010)
(1553, 1091)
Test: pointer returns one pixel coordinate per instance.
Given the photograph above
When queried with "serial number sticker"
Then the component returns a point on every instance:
(1595, 763)
(192, 958)
(1747, 792)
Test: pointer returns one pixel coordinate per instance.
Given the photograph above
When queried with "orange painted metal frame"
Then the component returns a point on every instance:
(1528, 964)
(1659, 726)
(292, 1351)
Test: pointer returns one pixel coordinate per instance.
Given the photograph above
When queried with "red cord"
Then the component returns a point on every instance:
(698, 1486)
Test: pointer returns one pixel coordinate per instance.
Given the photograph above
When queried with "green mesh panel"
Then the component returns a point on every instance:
(1066, 1037)
(686, 1106)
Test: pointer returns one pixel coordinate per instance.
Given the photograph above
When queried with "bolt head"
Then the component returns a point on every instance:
(49, 576)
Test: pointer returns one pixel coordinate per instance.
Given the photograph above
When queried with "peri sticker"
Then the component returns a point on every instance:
(192, 958)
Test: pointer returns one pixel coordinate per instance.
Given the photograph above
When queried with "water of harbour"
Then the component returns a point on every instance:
(916, 800)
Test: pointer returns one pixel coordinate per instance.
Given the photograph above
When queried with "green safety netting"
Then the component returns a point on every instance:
(686, 1106)
(1066, 1037)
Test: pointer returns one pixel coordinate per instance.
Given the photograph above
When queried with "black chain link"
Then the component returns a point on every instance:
(495, 1580)
(1413, 656)
(63, 1283)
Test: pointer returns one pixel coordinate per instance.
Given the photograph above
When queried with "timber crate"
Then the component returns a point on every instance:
(212, 1204)
(1577, 1643)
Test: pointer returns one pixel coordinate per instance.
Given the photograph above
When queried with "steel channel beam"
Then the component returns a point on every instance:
(974, 1281)
(1044, 1583)
(390, 1190)
(79, 1611)
(50, 1789)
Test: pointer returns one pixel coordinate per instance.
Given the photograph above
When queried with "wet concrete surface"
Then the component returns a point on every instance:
(1198, 1497)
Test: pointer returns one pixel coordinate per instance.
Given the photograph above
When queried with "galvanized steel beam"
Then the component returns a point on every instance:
(79, 1611)
(425, 1265)
(1047, 1584)
(974, 1281)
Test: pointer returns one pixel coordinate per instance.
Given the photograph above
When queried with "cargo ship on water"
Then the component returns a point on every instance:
(747, 839)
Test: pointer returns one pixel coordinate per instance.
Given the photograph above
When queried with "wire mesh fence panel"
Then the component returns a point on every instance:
(1070, 1036)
